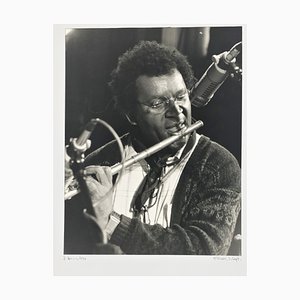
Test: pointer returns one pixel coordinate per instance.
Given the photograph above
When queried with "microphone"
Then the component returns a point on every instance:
(79, 145)
(215, 75)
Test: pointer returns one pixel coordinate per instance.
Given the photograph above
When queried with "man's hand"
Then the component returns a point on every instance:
(100, 190)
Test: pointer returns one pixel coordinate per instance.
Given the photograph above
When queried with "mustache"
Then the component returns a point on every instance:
(179, 124)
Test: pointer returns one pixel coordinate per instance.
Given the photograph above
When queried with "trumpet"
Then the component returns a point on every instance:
(72, 189)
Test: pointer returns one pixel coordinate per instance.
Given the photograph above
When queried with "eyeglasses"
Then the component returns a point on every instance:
(161, 105)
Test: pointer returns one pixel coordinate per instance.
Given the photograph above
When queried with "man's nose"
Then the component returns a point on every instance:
(174, 110)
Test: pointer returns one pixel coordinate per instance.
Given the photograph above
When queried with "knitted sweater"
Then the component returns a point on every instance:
(205, 207)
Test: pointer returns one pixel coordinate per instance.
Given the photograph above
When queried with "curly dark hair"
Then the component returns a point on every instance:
(146, 58)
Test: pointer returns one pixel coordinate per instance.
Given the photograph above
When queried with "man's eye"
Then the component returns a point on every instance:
(181, 97)
(157, 103)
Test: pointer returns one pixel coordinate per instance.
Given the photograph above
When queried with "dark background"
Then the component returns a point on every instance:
(91, 55)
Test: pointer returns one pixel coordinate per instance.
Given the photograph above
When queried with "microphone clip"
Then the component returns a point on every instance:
(235, 72)
(76, 151)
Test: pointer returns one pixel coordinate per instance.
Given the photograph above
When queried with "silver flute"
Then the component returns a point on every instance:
(69, 193)
(155, 148)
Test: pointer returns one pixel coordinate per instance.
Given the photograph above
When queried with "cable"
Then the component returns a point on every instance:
(121, 148)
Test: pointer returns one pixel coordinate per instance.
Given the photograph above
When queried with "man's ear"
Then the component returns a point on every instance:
(130, 119)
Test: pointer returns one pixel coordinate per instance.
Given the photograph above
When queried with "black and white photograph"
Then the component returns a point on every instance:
(153, 141)
(149, 150)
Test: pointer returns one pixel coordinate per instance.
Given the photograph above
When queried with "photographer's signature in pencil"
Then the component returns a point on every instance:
(227, 258)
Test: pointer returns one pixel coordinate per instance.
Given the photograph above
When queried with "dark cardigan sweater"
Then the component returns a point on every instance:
(205, 208)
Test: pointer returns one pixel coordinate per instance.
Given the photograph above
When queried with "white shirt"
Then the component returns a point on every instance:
(130, 180)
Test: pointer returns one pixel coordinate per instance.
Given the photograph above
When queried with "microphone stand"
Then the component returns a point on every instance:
(76, 153)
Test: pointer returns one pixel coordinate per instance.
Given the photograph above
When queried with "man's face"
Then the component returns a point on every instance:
(157, 121)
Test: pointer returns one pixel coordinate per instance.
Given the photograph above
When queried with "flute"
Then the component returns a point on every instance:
(155, 148)
(145, 153)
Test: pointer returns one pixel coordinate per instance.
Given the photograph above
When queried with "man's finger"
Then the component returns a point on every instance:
(107, 171)
(101, 175)
(91, 184)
